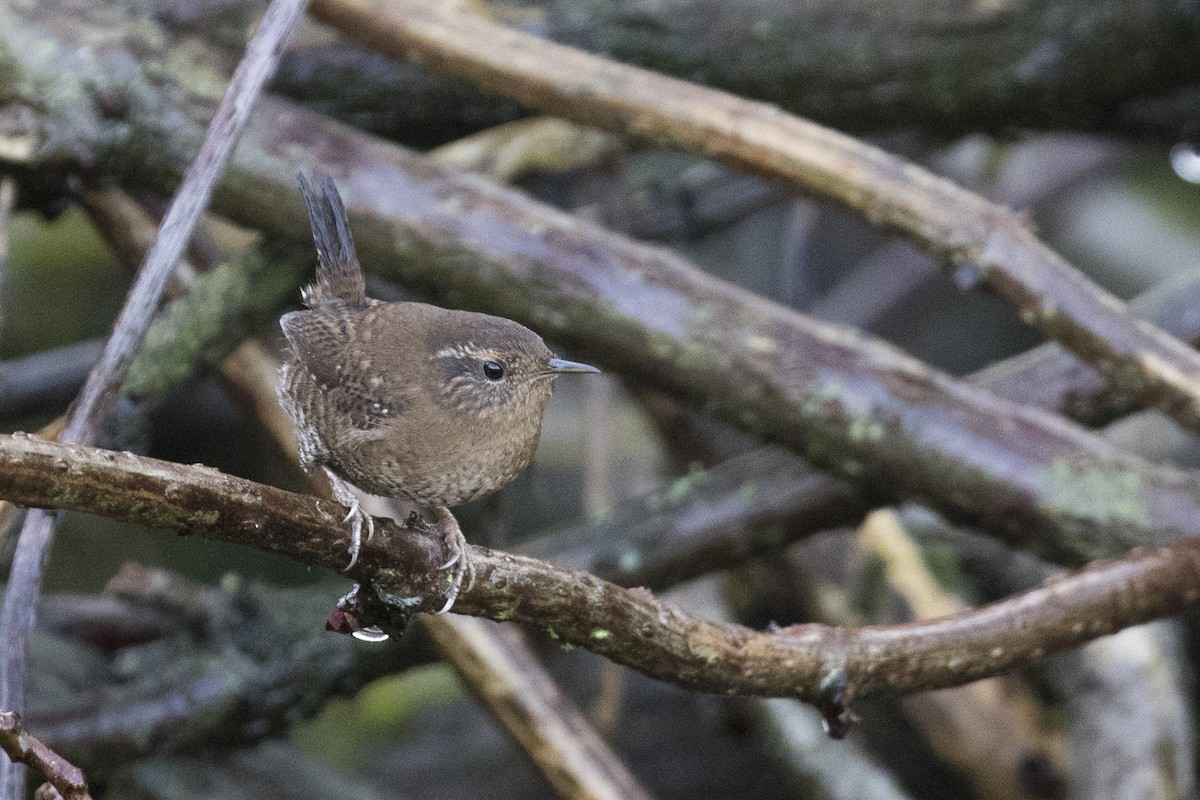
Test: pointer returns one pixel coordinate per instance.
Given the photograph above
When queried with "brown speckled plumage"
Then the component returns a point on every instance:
(392, 396)
(406, 399)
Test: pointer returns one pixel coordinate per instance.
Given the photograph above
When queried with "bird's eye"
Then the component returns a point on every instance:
(493, 370)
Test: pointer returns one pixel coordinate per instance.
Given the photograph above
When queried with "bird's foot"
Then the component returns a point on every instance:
(357, 518)
(460, 557)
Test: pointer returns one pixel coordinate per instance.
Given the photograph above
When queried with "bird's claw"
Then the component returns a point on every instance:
(357, 518)
(460, 559)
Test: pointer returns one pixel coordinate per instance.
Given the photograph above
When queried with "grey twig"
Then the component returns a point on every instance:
(8, 194)
(100, 390)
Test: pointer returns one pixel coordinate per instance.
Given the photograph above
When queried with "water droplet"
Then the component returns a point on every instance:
(371, 634)
(1185, 160)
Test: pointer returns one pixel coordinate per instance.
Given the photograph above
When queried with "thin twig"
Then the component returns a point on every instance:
(100, 390)
(8, 196)
(23, 748)
(816, 663)
(985, 244)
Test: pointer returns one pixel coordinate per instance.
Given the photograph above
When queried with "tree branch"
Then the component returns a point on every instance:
(882, 66)
(497, 666)
(817, 663)
(846, 402)
(984, 244)
(858, 66)
(23, 748)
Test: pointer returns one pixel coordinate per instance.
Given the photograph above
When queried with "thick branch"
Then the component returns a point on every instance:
(862, 66)
(848, 403)
(812, 662)
(947, 67)
(983, 243)
(762, 500)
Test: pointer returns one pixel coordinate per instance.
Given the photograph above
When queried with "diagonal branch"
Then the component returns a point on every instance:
(847, 402)
(985, 244)
(23, 748)
(820, 664)
(100, 390)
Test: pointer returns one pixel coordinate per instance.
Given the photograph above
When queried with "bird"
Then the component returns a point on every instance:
(404, 399)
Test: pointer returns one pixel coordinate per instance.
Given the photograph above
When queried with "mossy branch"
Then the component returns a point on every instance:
(824, 665)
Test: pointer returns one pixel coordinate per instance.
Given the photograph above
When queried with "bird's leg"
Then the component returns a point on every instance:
(356, 517)
(460, 558)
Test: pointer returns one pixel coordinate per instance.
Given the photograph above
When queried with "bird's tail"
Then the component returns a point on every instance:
(340, 281)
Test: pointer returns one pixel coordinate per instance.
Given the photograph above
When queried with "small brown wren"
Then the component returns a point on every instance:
(407, 400)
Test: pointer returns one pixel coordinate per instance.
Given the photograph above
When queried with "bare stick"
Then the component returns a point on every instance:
(497, 666)
(821, 664)
(983, 243)
(99, 392)
(22, 748)
(8, 196)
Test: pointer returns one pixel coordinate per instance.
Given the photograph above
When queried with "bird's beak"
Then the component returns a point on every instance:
(558, 365)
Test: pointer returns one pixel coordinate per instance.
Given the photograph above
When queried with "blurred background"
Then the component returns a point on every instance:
(1123, 207)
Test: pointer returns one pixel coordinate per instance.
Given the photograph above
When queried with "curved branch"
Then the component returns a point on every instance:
(878, 66)
(985, 244)
(817, 663)
(861, 66)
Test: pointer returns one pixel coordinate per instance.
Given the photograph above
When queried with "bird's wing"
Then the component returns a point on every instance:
(321, 344)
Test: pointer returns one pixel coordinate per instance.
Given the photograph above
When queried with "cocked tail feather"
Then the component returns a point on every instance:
(340, 282)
